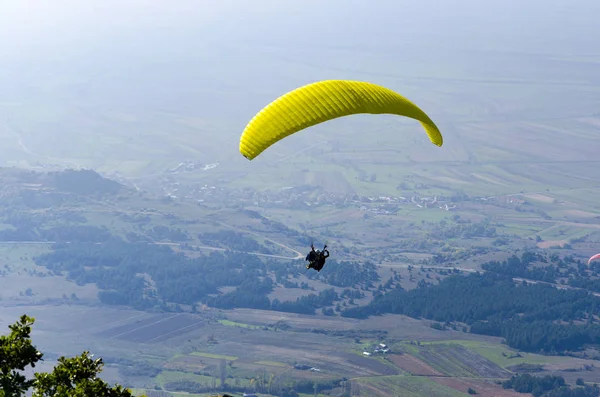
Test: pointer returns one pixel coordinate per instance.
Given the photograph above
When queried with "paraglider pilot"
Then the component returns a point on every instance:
(317, 258)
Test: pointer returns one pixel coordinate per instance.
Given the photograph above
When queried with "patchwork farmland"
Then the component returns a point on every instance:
(155, 329)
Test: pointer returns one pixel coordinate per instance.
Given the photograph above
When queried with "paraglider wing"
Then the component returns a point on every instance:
(322, 101)
(597, 256)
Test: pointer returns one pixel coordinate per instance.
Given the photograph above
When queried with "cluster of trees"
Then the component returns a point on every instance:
(164, 233)
(492, 304)
(549, 386)
(462, 230)
(150, 276)
(550, 269)
(348, 274)
(587, 277)
(249, 293)
(520, 267)
(585, 283)
(341, 274)
(307, 304)
(547, 268)
(115, 267)
(263, 383)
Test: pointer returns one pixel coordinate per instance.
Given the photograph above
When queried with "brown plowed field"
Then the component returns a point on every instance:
(413, 365)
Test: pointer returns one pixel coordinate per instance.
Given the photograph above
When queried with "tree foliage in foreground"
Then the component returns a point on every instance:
(72, 377)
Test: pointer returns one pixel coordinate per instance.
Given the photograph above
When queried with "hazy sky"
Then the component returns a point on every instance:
(60, 25)
(222, 60)
(132, 50)
(84, 38)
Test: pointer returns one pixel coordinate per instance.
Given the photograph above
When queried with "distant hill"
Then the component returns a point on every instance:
(86, 182)
(36, 190)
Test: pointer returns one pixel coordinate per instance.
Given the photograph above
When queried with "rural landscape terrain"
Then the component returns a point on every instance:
(131, 226)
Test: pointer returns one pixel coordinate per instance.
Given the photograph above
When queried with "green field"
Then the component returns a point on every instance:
(271, 363)
(499, 354)
(176, 376)
(236, 324)
(214, 356)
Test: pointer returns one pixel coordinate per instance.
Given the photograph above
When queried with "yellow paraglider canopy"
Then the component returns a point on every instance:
(322, 101)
